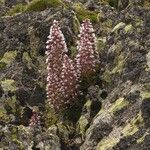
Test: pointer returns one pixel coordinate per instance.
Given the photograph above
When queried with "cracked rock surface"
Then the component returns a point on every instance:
(114, 111)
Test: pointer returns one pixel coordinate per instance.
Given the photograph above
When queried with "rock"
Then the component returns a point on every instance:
(112, 113)
(21, 137)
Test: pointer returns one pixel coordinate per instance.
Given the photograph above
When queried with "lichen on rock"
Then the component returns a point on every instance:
(117, 120)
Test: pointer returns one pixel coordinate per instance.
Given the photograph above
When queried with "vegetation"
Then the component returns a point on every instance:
(1, 2)
(82, 13)
(8, 57)
(39, 5)
(35, 5)
(16, 9)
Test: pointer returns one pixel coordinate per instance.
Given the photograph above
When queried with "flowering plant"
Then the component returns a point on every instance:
(63, 74)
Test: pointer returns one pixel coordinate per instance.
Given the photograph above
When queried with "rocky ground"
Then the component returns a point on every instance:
(113, 113)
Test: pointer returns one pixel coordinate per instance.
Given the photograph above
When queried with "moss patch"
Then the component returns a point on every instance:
(76, 24)
(101, 42)
(34, 5)
(8, 57)
(2, 2)
(107, 76)
(2, 65)
(118, 26)
(49, 116)
(119, 63)
(145, 95)
(141, 139)
(8, 85)
(107, 143)
(27, 59)
(39, 5)
(3, 114)
(128, 28)
(19, 8)
(83, 13)
(82, 124)
(88, 104)
(118, 105)
(133, 126)
(73, 51)
(83, 120)
(10, 105)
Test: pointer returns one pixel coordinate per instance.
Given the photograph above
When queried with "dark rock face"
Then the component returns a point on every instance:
(117, 109)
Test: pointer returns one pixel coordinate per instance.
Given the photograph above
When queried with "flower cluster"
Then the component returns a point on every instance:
(87, 57)
(63, 74)
(35, 119)
(69, 80)
(62, 80)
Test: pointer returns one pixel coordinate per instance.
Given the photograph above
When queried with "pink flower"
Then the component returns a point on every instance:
(69, 80)
(35, 119)
(56, 47)
(61, 79)
(63, 75)
(87, 57)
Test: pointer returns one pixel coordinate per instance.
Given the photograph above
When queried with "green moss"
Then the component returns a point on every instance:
(76, 25)
(14, 133)
(138, 22)
(83, 120)
(128, 28)
(19, 132)
(88, 104)
(10, 105)
(107, 143)
(82, 13)
(141, 139)
(39, 5)
(73, 50)
(101, 111)
(119, 64)
(107, 76)
(101, 43)
(147, 86)
(27, 59)
(64, 130)
(145, 95)
(3, 115)
(8, 57)
(133, 126)
(108, 23)
(49, 116)
(2, 2)
(82, 124)
(18, 143)
(118, 26)
(2, 65)
(19, 8)
(34, 5)
(8, 85)
(118, 105)
(119, 61)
